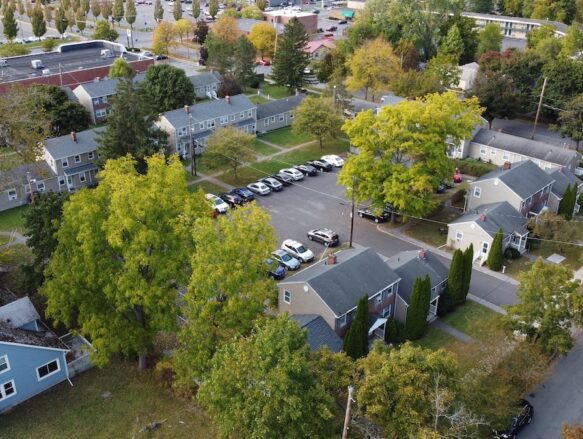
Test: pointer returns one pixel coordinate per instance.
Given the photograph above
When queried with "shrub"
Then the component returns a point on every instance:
(511, 253)
(394, 332)
(13, 49)
(495, 255)
(458, 196)
(477, 168)
(445, 304)
(49, 45)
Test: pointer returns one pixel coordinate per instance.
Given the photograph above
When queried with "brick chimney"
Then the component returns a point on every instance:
(74, 136)
(507, 165)
(228, 99)
(422, 254)
(483, 217)
(331, 259)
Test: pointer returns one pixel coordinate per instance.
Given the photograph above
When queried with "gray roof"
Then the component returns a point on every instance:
(356, 273)
(9, 334)
(526, 147)
(204, 79)
(246, 24)
(77, 170)
(279, 106)
(524, 178)
(319, 333)
(19, 312)
(209, 110)
(495, 216)
(409, 266)
(105, 87)
(38, 170)
(563, 178)
(64, 146)
(72, 96)
(359, 105)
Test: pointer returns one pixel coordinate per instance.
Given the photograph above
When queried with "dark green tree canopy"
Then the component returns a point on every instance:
(455, 278)
(9, 23)
(103, 31)
(168, 87)
(356, 339)
(416, 322)
(496, 253)
(290, 58)
(244, 62)
(39, 26)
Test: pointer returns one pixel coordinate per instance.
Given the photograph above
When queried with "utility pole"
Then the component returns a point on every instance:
(352, 210)
(347, 415)
(540, 104)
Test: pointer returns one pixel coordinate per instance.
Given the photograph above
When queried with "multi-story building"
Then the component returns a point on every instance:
(205, 84)
(277, 114)
(282, 16)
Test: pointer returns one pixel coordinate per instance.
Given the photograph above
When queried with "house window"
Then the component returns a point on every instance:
(61, 181)
(379, 299)
(232, 118)
(100, 113)
(40, 186)
(291, 115)
(48, 369)
(242, 115)
(12, 195)
(210, 123)
(484, 248)
(492, 151)
(91, 155)
(7, 390)
(95, 101)
(82, 177)
(281, 117)
(272, 119)
(77, 159)
(4, 364)
(483, 150)
(65, 163)
(201, 126)
(386, 292)
(387, 310)
(286, 296)
(477, 192)
(459, 236)
(250, 113)
(266, 122)
(505, 156)
(224, 120)
(181, 132)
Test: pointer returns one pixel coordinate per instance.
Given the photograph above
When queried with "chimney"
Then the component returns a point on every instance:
(331, 259)
(483, 217)
(422, 254)
(74, 136)
(228, 99)
(507, 165)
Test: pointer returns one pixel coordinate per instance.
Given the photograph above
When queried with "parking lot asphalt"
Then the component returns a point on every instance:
(320, 202)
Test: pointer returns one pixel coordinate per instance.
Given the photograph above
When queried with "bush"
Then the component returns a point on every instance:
(446, 304)
(474, 167)
(49, 45)
(394, 332)
(458, 196)
(511, 253)
(13, 49)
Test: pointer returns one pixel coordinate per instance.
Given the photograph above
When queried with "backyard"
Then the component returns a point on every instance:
(433, 231)
(12, 219)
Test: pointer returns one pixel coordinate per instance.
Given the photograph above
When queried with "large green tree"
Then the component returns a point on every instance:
(230, 146)
(467, 32)
(416, 322)
(567, 204)
(9, 24)
(227, 292)
(213, 8)
(489, 39)
(130, 127)
(356, 339)
(317, 116)
(549, 306)
(130, 13)
(195, 9)
(121, 69)
(571, 120)
(290, 58)
(121, 254)
(455, 277)
(402, 150)
(220, 52)
(177, 11)
(103, 31)
(496, 253)
(39, 26)
(263, 386)
(244, 62)
(452, 44)
(168, 87)
(158, 10)
(117, 11)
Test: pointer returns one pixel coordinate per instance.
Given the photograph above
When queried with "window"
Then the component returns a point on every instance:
(61, 181)
(100, 113)
(95, 101)
(232, 117)
(82, 177)
(291, 115)
(477, 192)
(48, 369)
(483, 150)
(7, 390)
(459, 236)
(492, 151)
(266, 122)
(342, 321)
(210, 123)
(505, 156)
(250, 113)
(281, 117)
(387, 292)
(224, 119)
(4, 364)
(286, 296)
(387, 310)
(201, 126)
(242, 115)
(12, 195)
(77, 159)
(484, 248)
(181, 132)
(40, 186)
(379, 299)
(272, 119)
(65, 163)
(91, 155)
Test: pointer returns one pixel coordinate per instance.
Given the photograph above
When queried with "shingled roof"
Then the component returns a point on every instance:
(563, 178)
(279, 106)
(319, 333)
(64, 146)
(494, 216)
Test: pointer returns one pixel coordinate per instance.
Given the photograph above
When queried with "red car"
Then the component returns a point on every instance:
(263, 62)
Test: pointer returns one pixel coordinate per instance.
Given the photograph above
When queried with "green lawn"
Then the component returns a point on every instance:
(429, 231)
(471, 318)
(84, 411)
(257, 99)
(286, 137)
(207, 187)
(12, 219)
(264, 149)
(435, 339)
(275, 91)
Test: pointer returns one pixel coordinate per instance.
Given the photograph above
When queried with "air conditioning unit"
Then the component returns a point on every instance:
(37, 64)
(106, 53)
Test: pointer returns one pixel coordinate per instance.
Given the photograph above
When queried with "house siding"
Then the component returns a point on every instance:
(492, 193)
(23, 192)
(401, 309)
(275, 122)
(472, 234)
(303, 302)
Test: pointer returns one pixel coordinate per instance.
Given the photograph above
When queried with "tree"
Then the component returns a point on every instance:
(573, 431)
(117, 11)
(373, 66)
(168, 87)
(468, 33)
(195, 9)
(28, 9)
(275, 358)
(158, 11)
(402, 150)
(490, 39)
(39, 26)
(452, 45)
(71, 18)
(563, 11)
(85, 6)
(481, 6)
(416, 322)
(262, 4)
(397, 391)
(106, 10)
(549, 306)
(81, 20)
(130, 127)
(337, 91)
(571, 120)
(229, 86)
(573, 41)
(455, 277)
(567, 204)
(48, 14)
(356, 339)
(131, 14)
(229, 146)
(20, 7)
(564, 81)
(226, 295)
(95, 9)
(201, 31)
(335, 371)
(213, 8)
(262, 36)
(163, 38)
(104, 32)
(226, 29)
(446, 70)
(9, 23)
(314, 116)
(244, 62)
(496, 253)
(124, 297)
(496, 92)
(553, 228)
(538, 34)
(182, 27)
(468, 265)
(41, 223)
(220, 53)
(253, 12)
(291, 59)
(177, 11)
(121, 69)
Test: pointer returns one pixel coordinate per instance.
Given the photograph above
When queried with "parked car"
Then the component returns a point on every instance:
(293, 173)
(286, 259)
(275, 269)
(259, 188)
(315, 11)
(268, 9)
(324, 236)
(297, 250)
(232, 200)
(331, 29)
(284, 179)
(342, 22)
(308, 170)
(244, 193)
(263, 62)
(328, 35)
(377, 215)
(333, 159)
(522, 416)
(217, 203)
(272, 183)
(321, 165)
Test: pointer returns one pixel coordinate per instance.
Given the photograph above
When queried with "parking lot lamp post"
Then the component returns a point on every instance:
(352, 210)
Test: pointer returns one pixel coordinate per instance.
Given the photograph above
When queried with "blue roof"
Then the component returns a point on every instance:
(319, 333)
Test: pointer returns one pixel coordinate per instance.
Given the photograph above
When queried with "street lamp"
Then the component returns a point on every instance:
(192, 149)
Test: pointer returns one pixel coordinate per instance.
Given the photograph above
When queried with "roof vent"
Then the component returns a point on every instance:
(483, 217)
(422, 255)
(331, 259)
(74, 136)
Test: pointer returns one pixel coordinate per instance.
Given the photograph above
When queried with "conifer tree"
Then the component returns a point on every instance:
(356, 339)
(416, 322)
(61, 21)
(158, 10)
(567, 204)
(468, 262)
(9, 23)
(177, 11)
(39, 26)
(117, 11)
(290, 56)
(496, 255)
(131, 13)
(455, 279)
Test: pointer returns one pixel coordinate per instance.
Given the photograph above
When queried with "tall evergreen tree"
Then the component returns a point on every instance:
(61, 21)
(131, 14)
(195, 9)
(290, 56)
(81, 19)
(452, 44)
(158, 10)
(567, 204)
(416, 322)
(455, 279)
(213, 8)
(496, 254)
(468, 262)
(356, 339)
(117, 11)
(177, 11)
(39, 26)
(9, 23)
(244, 62)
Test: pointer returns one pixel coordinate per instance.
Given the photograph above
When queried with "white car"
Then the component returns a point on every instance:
(293, 173)
(259, 188)
(334, 160)
(217, 203)
(297, 250)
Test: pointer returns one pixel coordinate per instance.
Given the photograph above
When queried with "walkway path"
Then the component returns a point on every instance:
(14, 238)
(451, 331)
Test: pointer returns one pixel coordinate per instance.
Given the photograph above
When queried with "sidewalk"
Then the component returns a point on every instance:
(451, 331)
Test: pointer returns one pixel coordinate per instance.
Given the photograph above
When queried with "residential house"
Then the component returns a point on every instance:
(71, 158)
(205, 84)
(32, 358)
(563, 178)
(319, 48)
(332, 288)
(319, 333)
(468, 74)
(479, 226)
(413, 264)
(204, 118)
(515, 27)
(524, 185)
(277, 114)
(16, 185)
(498, 148)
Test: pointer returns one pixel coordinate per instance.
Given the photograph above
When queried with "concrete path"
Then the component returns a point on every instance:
(487, 304)
(14, 238)
(451, 331)
(273, 145)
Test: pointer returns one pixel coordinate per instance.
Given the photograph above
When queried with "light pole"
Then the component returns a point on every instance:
(352, 210)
